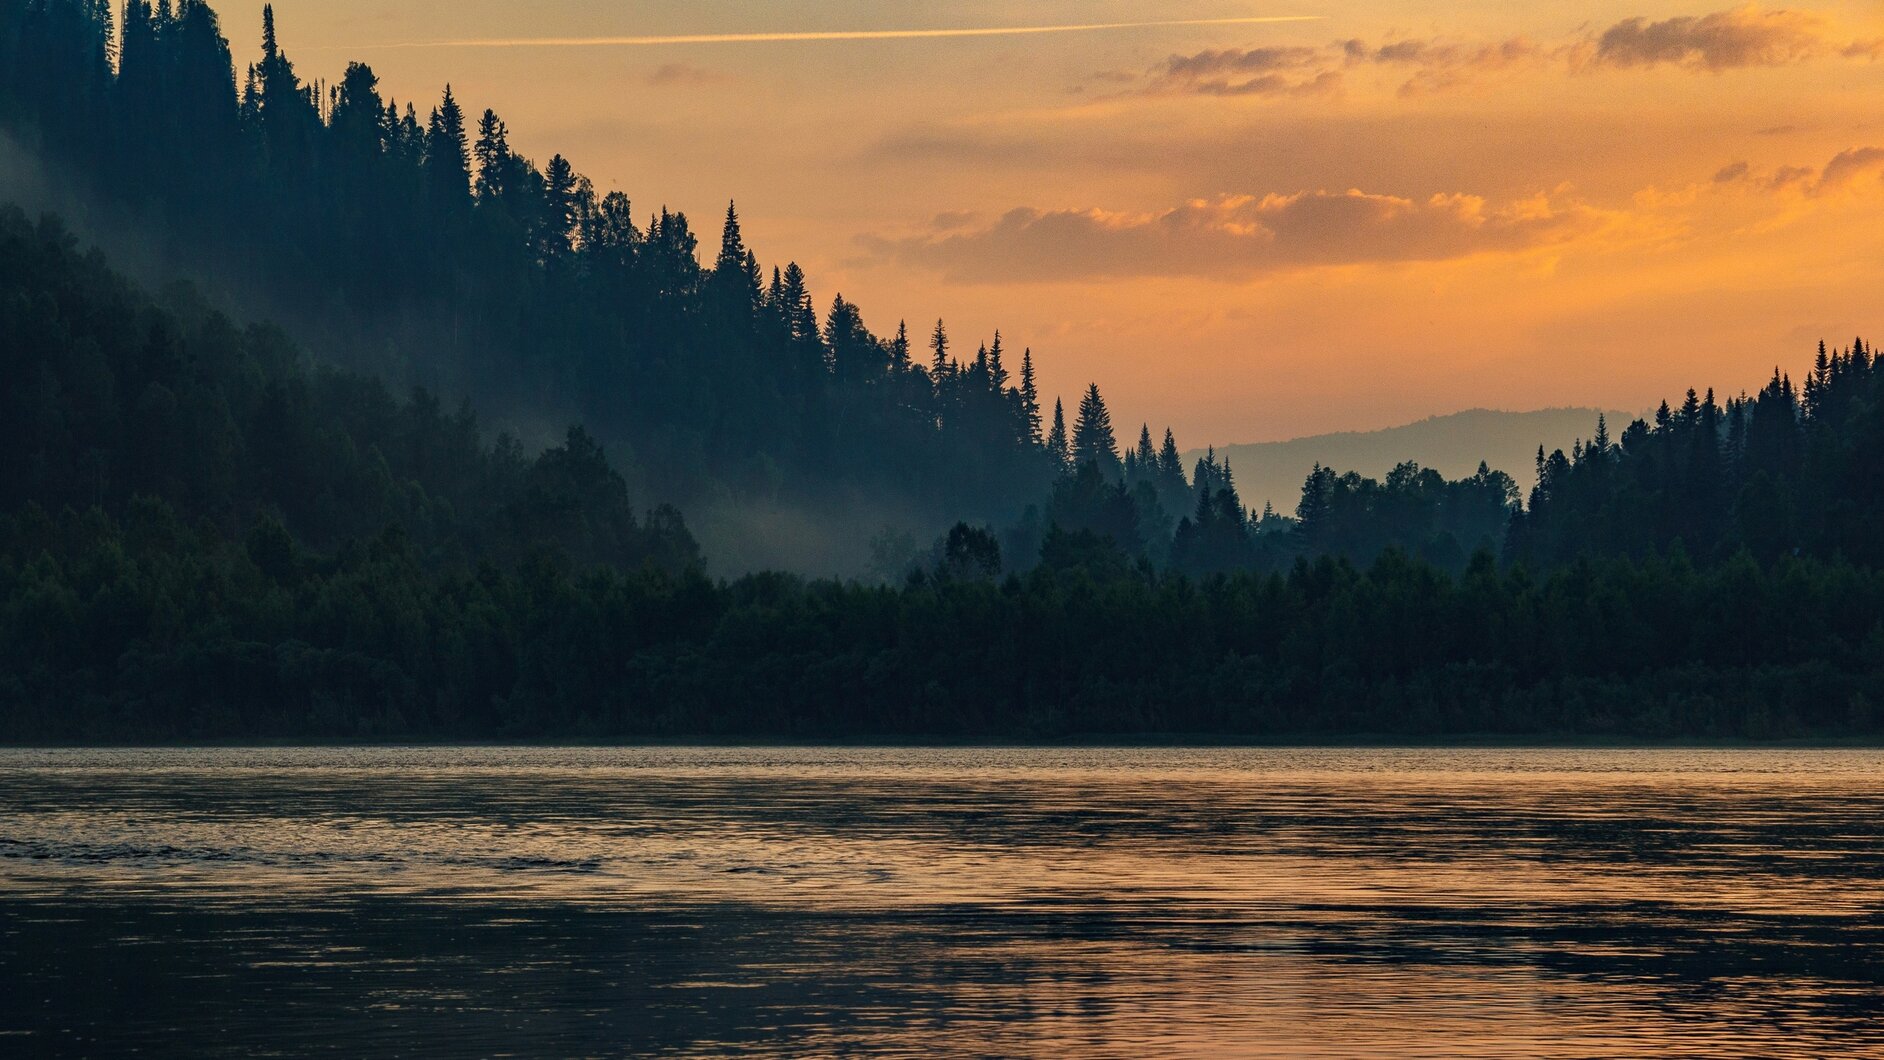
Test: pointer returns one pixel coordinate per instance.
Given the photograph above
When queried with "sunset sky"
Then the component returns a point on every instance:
(1249, 231)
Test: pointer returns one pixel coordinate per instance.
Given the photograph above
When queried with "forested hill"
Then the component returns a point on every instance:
(201, 537)
(173, 414)
(409, 239)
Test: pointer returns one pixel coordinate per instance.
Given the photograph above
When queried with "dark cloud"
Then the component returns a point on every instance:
(1436, 65)
(1724, 40)
(1247, 72)
(1237, 237)
(1848, 169)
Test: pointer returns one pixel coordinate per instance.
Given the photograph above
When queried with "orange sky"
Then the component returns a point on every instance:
(1248, 231)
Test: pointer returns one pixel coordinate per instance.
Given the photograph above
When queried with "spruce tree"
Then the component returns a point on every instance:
(1057, 445)
(997, 374)
(939, 348)
(899, 347)
(1170, 464)
(1093, 441)
(493, 157)
(1030, 401)
(447, 154)
(563, 192)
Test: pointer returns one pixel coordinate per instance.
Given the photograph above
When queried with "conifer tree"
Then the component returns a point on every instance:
(899, 347)
(1029, 401)
(1058, 447)
(562, 192)
(447, 155)
(1147, 456)
(492, 152)
(734, 282)
(1170, 464)
(1093, 441)
(997, 374)
(939, 350)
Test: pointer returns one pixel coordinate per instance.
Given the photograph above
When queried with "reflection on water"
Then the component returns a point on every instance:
(475, 901)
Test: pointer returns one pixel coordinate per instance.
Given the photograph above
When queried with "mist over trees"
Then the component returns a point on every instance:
(411, 239)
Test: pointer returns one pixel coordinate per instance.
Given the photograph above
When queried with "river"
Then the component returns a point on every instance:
(959, 901)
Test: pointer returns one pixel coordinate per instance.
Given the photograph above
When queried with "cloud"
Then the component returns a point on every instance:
(1434, 64)
(1247, 72)
(1851, 169)
(1730, 39)
(1725, 40)
(670, 74)
(1240, 236)
(1448, 65)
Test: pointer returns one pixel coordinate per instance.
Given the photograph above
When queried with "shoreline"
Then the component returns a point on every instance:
(1142, 741)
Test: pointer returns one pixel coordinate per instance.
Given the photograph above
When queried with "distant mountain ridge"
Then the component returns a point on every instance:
(1451, 444)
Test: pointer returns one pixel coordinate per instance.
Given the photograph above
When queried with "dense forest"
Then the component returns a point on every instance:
(207, 532)
(414, 242)
(205, 536)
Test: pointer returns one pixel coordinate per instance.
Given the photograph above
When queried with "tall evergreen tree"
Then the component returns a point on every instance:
(1170, 463)
(734, 282)
(1029, 401)
(1093, 440)
(1059, 448)
(447, 154)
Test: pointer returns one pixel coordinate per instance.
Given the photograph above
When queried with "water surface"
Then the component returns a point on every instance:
(1104, 902)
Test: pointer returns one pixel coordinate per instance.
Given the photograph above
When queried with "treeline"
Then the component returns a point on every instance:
(140, 627)
(417, 243)
(1787, 471)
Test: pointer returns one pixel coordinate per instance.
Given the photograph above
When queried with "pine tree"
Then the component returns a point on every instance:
(1057, 445)
(493, 157)
(562, 191)
(1170, 464)
(801, 318)
(447, 156)
(1093, 441)
(732, 257)
(1147, 456)
(997, 374)
(939, 348)
(1030, 401)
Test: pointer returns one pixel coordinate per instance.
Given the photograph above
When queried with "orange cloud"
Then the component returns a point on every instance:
(1240, 236)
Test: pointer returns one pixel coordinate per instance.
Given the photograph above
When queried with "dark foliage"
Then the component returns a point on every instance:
(113, 403)
(423, 248)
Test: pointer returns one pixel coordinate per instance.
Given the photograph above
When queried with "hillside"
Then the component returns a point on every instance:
(1453, 445)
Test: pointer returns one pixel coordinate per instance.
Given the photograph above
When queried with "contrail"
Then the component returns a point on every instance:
(833, 35)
